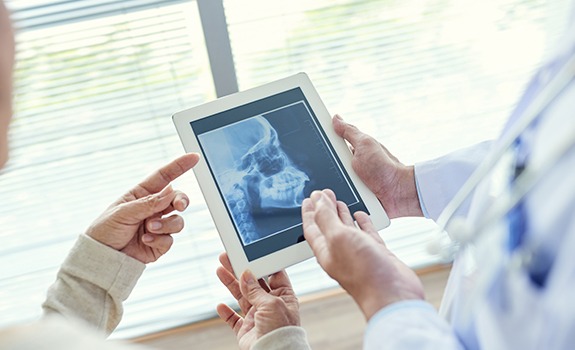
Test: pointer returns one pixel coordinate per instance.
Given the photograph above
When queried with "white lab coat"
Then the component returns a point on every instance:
(488, 304)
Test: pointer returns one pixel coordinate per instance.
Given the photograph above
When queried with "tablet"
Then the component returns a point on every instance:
(263, 151)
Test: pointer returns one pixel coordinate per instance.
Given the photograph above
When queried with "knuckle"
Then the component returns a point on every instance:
(339, 239)
(291, 299)
(151, 201)
(175, 223)
(365, 141)
(276, 303)
(253, 292)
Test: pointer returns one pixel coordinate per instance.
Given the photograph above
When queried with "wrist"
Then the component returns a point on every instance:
(102, 235)
(405, 201)
(396, 283)
(410, 198)
(374, 302)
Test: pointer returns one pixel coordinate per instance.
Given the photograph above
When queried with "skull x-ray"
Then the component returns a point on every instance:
(266, 158)
(254, 173)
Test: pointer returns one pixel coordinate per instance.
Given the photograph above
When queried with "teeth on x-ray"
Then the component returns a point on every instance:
(265, 178)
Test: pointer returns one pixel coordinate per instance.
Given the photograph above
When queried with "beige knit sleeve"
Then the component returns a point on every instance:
(92, 283)
(285, 338)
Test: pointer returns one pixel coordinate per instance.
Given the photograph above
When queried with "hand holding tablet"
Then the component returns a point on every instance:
(264, 150)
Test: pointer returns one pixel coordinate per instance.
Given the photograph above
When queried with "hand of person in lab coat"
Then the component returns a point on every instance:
(392, 182)
(356, 257)
(137, 224)
(264, 307)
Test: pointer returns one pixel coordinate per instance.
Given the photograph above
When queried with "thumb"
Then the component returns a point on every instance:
(142, 208)
(347, 131)
(252, 290)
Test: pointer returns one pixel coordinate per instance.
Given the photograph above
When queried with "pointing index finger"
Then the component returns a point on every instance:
(326, 216)
(166, 174)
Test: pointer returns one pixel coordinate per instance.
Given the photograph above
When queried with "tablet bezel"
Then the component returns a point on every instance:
(293, 254)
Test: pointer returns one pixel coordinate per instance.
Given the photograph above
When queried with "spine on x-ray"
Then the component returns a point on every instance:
(239, 205)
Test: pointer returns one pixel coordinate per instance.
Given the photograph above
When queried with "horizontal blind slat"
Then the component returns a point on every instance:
(36, 15)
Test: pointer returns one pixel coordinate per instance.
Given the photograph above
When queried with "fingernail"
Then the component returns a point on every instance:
(155, 225)
(249, 277)
(147, 238)
(338, 117)
(185, 202)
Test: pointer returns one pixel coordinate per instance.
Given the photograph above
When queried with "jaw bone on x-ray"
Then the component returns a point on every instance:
(255, 174)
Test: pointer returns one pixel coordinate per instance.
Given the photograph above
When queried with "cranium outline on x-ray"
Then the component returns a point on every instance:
(264, 178)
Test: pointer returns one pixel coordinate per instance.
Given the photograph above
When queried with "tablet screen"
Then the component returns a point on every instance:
(266, 157)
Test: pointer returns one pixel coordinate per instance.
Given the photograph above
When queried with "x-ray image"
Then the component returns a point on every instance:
(264, 165)
(256, 177)
(265, 157)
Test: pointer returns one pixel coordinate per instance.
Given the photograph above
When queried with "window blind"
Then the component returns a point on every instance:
(97, 81)
(37, 14)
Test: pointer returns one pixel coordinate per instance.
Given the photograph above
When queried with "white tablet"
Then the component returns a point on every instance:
(264, 150)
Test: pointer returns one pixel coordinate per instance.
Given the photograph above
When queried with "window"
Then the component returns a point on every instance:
(97, 82)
